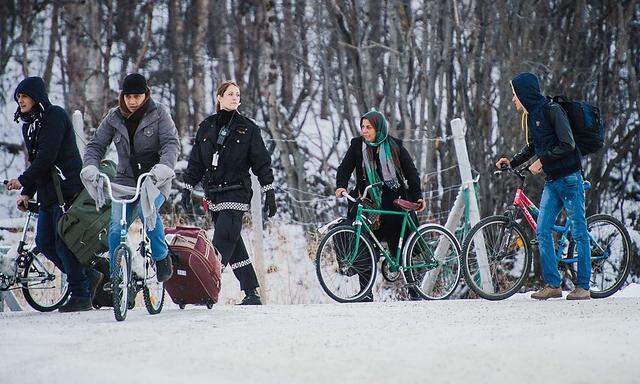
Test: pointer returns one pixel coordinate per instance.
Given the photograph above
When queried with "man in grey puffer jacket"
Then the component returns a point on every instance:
(144, 135)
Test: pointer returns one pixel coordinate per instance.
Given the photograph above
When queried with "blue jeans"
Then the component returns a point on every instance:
(159, 247)
(54, 249)
(567, 192)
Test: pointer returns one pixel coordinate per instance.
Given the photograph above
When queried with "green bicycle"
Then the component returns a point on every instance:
(347, 256)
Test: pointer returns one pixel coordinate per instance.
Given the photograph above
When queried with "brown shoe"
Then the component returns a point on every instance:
(548, 292)
(579, 294)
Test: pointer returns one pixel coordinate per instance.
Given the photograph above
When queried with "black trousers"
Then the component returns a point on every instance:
(227, 240)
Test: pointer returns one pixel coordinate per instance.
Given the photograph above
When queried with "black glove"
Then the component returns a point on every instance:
(270, 203)
(186, 199)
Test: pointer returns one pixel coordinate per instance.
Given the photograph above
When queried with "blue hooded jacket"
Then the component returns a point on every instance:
(50, 142)
(548, 131)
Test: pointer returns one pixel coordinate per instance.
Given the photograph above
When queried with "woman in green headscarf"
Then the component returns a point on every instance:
(377, 156)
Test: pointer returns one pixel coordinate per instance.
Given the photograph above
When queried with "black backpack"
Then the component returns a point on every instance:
(587, 124)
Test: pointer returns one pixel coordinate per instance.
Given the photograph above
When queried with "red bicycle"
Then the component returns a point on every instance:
(497, 252)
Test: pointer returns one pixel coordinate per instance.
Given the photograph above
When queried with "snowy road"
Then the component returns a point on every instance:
(472, 341)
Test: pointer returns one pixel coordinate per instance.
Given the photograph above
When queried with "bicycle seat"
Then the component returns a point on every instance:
(406, 205)
(587, 185)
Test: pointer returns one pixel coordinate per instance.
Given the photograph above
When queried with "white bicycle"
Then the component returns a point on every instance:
(124, 283)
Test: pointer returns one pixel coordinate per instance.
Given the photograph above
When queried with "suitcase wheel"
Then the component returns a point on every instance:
(182, 306)
(209, 304)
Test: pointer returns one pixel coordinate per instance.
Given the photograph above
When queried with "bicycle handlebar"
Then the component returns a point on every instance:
(519, 173)
(364, 195)
(124, 201)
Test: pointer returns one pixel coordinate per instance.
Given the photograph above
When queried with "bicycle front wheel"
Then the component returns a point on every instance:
(496, 258)
(610, 255)
(345, 273)
(153, 291)
(44, 285)
(120, 282)
(431, 261)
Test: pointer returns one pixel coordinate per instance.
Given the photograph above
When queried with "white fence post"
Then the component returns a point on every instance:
(258, 233)
(464, 165)
(78, 128)
(8, 296)
(11, 301)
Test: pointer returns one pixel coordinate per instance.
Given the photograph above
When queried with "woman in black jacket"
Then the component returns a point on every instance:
(376, 156)
(227, 145)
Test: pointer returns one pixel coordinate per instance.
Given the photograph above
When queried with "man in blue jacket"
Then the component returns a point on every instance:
(549, 137)
(52, 152)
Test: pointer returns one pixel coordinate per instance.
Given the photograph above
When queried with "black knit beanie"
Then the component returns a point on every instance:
(134, 83)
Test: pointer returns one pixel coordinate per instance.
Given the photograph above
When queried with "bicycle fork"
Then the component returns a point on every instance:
(358, 224)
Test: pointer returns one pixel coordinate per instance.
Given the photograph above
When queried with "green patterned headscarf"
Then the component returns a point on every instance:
(388, 154)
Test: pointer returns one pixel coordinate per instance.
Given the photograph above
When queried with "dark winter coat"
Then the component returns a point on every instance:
(549, 132)
(243, 149)
(51, 142)
(353, 160)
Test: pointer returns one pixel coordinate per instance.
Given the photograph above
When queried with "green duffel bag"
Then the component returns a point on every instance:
(84, 229)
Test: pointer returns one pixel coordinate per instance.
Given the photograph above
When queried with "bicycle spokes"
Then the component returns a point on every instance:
(44, 286)
(432, 262)
(496, 258)
(345, 273)
(610, 255)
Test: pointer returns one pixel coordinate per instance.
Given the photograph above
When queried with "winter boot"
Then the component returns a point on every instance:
(76, 304)
(579, 294)
(548, 292)
(413, 294)
(252, 297)
(164, 269)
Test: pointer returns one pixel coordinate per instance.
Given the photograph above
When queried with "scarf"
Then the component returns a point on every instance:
(34, 119)
(387, 153)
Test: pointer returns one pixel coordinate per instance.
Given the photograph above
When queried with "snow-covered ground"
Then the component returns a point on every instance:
(473, 341)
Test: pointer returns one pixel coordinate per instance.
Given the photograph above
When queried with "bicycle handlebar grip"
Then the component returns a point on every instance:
(347, 196)
(33, 207)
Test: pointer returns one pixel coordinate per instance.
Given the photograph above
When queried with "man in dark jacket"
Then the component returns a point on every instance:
(549, 137)
(52, 153)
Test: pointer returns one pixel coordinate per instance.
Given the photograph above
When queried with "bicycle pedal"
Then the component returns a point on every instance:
(107, 287)
(533, 241)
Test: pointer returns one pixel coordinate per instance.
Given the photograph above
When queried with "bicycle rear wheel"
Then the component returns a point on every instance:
(44, 286)
(431, 261)
(342, 280)
(121, 282)
(610, 255)
(506, 247)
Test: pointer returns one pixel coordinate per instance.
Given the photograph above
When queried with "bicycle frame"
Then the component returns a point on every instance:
(531, 212)
(360, 222)
(124, 202)
(123, 218)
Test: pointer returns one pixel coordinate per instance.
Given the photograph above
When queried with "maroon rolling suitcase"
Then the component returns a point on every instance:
(196, 267)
